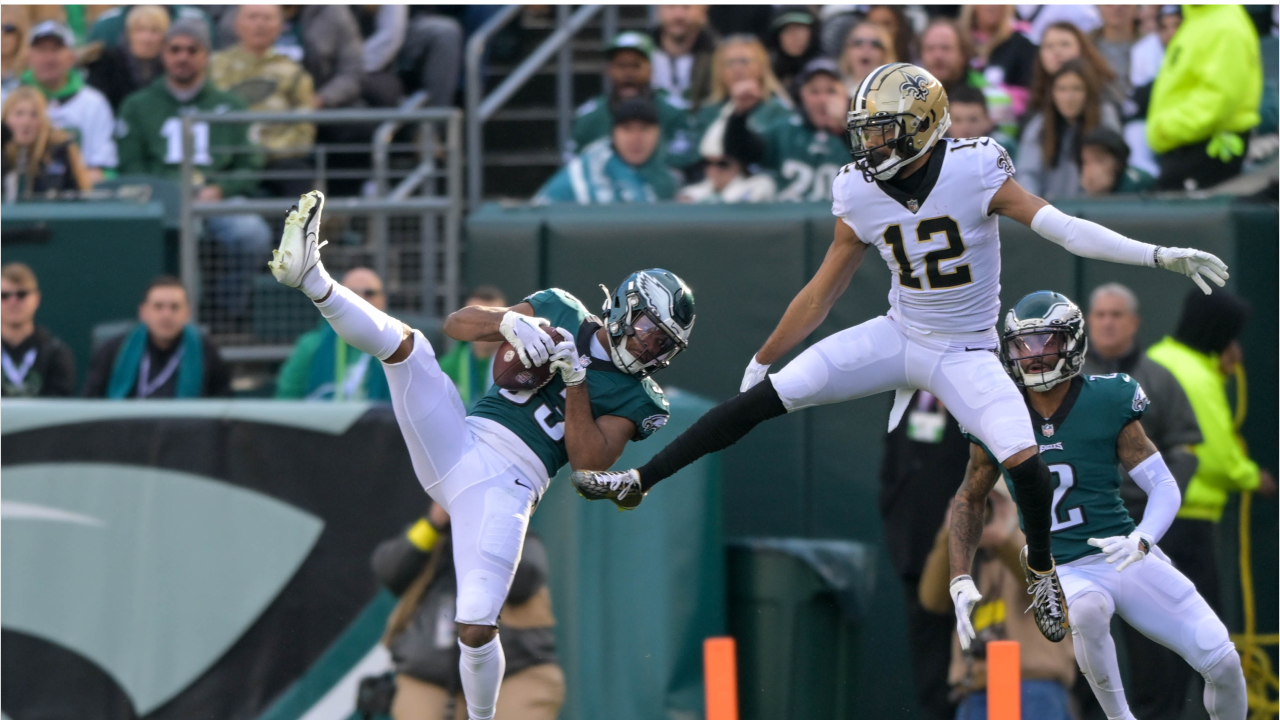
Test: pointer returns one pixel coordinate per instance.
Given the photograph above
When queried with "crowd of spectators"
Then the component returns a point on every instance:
(1085, 98)
(113, 79)
(1181, 86)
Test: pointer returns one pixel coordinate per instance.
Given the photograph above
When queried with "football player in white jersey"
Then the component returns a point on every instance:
(930, 206)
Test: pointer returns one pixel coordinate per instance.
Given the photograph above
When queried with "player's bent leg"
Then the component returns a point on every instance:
(1161, 603)
(856, 362)
(431, 417)
(862, 360)
(489, 520)
(1096, 651)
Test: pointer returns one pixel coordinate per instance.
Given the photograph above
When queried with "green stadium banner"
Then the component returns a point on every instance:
(93, 260)
(178, 559)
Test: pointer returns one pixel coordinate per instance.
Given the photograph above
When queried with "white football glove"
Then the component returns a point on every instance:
(964, 595)
(1193, 264)
(527, 336)
(755, 373)
(1126, 550)
(566, 361)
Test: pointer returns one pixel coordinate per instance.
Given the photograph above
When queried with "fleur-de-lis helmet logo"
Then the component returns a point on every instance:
(914, 85)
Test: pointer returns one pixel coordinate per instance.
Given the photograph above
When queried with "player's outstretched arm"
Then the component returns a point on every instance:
(516, 324)
(969, 511)
(810, 307)
(1091, 240)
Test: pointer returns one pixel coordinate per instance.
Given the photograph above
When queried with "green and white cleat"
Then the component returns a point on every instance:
(1047, 600)
(622, 488)
(300, 244)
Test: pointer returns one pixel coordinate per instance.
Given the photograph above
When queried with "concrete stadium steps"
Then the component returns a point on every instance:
(521, 147)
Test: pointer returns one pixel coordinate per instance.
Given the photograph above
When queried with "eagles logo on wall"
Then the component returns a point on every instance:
(152, 570)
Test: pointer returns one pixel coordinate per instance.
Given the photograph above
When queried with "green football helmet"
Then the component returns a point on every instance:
(1043, 325)
(655, 309)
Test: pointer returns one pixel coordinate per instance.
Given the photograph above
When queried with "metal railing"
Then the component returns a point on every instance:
(481, 108)
(426, 205)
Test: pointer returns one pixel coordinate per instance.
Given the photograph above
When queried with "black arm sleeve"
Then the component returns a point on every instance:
(722, 426)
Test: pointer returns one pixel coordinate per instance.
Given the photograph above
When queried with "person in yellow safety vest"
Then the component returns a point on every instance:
(1202, 353)
(1205, 99)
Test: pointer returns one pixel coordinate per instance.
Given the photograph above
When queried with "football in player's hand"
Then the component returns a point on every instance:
(511, 374)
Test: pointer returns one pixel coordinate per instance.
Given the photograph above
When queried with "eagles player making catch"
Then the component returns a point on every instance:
(1084, 426)
(929, 205)
(488, 469)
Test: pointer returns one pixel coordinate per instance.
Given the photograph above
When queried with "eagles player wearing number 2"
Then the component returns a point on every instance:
(1085, 426)
(930, 206)
(488, 469)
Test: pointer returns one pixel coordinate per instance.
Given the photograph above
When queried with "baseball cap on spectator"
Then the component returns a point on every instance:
(817, 66)
(53, 29)
(636, 109)
(1108, 140)
(1171, 10)
(196, 30)
(638, 42)
(791, 17)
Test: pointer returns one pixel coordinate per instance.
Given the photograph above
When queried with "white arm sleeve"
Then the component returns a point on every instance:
(1091, 240)
(1163, 498)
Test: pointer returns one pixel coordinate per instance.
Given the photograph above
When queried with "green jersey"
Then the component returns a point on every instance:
(537, 418)
(803, 160)
(595, 120)
(1079, 445)
(149, 138)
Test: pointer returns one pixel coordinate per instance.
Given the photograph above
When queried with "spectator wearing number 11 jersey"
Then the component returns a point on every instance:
(149, 138)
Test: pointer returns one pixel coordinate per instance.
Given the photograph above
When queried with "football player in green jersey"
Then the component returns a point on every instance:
(488, 469)
(1106, 564)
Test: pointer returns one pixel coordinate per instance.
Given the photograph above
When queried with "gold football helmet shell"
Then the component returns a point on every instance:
(899, 112)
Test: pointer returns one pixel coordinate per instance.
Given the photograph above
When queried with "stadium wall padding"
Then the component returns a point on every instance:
(93, 260)
(815, 474)
(178, 559)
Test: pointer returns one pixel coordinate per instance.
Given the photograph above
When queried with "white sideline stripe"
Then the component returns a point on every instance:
(340, 701)
(14, 510)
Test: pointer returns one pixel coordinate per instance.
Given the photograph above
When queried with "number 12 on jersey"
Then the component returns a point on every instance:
(925, 231)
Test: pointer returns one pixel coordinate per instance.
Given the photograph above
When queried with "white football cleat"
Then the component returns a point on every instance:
(300, 244)
(621, 488)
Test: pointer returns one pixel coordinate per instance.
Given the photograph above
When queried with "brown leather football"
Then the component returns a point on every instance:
(511, 374)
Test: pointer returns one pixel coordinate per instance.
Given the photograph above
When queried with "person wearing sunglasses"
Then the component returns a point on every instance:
(13, 56)
(867, 46)
(150, 141)
(324, 367)
(36, 363)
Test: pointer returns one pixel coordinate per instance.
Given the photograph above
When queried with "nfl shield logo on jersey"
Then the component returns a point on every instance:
(1046, 430)
(913, 205)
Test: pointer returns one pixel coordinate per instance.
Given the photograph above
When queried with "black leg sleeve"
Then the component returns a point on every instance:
(722, 426)
(1033, 485)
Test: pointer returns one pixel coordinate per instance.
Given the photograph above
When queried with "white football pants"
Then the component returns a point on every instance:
(488, 499)
(1161, 603)
(960, 369)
